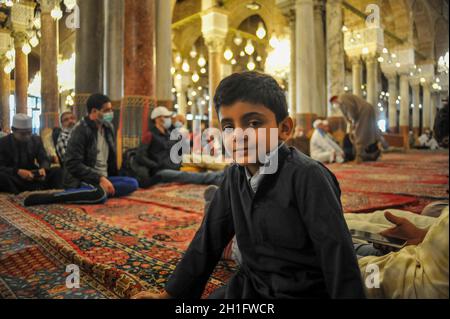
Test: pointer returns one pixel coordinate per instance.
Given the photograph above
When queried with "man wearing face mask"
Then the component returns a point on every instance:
(153, 163)
(90, 165)
(24, 165)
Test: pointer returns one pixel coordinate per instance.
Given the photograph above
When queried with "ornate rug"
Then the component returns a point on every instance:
(170, 196)
(37, 244)
(188, 198)
(171, 226)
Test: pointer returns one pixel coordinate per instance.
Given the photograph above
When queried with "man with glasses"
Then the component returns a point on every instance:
(24, 164)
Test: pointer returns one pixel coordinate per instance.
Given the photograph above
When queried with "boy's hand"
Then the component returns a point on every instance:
(42, 175)
(25, 174)
(151, 295)
(404, 229)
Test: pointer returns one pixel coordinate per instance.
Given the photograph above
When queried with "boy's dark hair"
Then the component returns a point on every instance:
(96, 101)
(252, 87)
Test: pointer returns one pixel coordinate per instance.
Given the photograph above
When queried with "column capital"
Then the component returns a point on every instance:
(355, 59)
(319, 7)
(215, 28)
(414, 82)
(48, 5)
(370, 57)
(20, 38)
(22, 14)
(391, 76)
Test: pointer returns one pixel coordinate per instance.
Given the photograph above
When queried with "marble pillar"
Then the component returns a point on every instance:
(49, 63)
(292, 72)
(335, 60)
(321, 60)
(335, 52)
(139, 71)
(113, 57)
(372, 79)
(89, 49)
(404, 109)
(214, 31)
(435, 97)
(356, 75)
(164, 53)
(181, 85)
(415, 86)
(21, 75)
(5, 92)
(393, 94)
(215, 49)
(426, 111)
(306, 66)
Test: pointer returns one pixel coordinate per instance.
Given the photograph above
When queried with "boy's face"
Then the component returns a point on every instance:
(243, 116)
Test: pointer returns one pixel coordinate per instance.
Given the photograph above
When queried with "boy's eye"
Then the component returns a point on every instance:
(254, 123)
(227, 127)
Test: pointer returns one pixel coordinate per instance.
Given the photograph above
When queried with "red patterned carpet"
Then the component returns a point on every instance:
(133, 244)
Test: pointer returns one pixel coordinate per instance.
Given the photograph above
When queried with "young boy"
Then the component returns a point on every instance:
(289, 225)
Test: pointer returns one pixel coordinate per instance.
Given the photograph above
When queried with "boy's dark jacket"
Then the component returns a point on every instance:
(81, 154)
(292, 235)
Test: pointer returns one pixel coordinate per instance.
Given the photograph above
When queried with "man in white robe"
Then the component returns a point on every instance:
(322, 146)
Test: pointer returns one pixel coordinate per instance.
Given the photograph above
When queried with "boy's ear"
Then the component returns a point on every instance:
(285, 128)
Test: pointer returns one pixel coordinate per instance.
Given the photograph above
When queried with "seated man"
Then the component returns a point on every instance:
(322, 147)
(419, 270)
(90, 166)
(24, 164)
(61, 135)
(153, 161)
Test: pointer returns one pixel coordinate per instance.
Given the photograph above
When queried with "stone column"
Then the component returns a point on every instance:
(292, 71)
(372, 79)
(415, 85)
(5, 78)
(305, 63)
(321, 60)
(5, 92)
(21, 14)
(21, 74)
(181, 85)
(435, 97)
(49, 62)
(404, 108)
(335, 65)
(393, 94)
(356, 74)
(164, 53)
(89, 54)
(113, 70)
(426, 111)
(139, 71)
(214, 30)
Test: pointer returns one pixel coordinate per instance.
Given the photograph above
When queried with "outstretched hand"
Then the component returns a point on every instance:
(404, 229)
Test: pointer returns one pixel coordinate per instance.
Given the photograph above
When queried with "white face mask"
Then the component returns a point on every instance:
(178, 124)
(167, 123)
